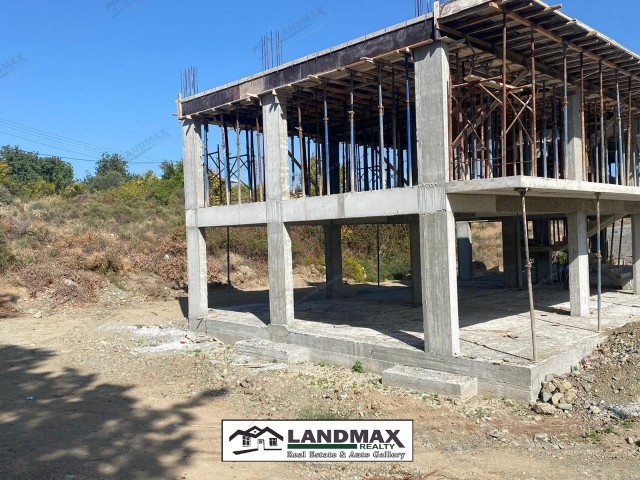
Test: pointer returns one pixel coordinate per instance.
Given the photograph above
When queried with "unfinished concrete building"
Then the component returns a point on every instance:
(504, 110)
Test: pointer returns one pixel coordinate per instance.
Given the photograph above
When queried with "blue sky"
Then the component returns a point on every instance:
(81, 77)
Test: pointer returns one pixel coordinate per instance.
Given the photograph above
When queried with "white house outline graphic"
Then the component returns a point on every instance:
(246, 437)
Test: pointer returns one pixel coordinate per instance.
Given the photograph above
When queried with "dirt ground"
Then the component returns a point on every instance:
(126, 392)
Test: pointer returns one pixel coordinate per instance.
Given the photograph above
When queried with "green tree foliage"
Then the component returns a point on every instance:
(112, 162)
(105, 181)
(20, 171)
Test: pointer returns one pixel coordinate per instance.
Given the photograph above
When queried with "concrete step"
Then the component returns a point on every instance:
(269, 351)
(431, 381)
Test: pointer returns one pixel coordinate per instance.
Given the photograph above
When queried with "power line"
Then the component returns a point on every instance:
(59, 139)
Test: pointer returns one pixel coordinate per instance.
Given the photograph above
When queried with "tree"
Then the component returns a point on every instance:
(26, 168)
(112, 162)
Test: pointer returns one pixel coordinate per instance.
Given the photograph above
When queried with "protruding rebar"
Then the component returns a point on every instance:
(599, 257)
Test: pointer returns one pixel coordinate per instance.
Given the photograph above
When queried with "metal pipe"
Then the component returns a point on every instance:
(326, 142)
(603, 147)
(228, 267)
(408, 103)
(225, 148)
(394, 129)
(556, 139)
(620, 240)
(599, 257)
(582, 126)
(523, 192)
(622, 168)
(259, 142)
(352, 138)
(303, 173)
(382, 162)
(205, 162)
(238, 157)
(534, 133)
(504, 95)
(545, 149)
(565, 105)
(378, 249)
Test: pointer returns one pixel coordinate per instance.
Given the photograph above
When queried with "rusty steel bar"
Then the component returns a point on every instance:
(545, 152)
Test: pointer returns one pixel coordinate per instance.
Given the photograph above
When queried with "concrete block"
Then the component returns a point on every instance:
(431, 381)
(266, 350)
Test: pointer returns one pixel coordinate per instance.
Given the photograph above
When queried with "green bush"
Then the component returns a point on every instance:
(352, 269)
(74, 190)
(357, 367)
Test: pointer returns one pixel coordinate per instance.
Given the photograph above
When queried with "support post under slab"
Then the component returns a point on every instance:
(465, 250)
(274, 114)
(575, 165)
(436, 221)
(635, 247)
(194, 199)
(333, 260)
(578, 264)
(414, 245)
(511, 253)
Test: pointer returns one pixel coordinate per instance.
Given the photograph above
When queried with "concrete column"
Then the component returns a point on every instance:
(274, 114)
(543, 260)
(635, 248)
(333, 260)
(334, 165)
(436, 222)
(511, 255)
(465, 250)
(578, 264)
(194, 199)
(575, 170)
(414, 245)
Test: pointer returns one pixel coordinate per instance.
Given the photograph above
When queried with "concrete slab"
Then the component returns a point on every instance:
(267, 350)
(431, 381)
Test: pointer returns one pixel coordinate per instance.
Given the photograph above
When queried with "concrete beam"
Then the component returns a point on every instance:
(465, 250)
(333, 260)
(194, 199)
(635, 247)
(578, 264)
(274, 116)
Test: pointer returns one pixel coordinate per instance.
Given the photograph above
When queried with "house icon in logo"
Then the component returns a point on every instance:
(254, 439)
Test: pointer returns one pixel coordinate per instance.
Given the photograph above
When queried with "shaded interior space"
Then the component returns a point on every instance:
(494, 322)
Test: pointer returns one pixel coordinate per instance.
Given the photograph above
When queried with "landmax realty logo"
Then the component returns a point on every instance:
(317, 441)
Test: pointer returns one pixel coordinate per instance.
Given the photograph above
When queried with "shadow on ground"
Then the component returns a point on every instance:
(53, 425)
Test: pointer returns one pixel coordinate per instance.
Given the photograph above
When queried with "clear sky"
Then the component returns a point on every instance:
(81, 77)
